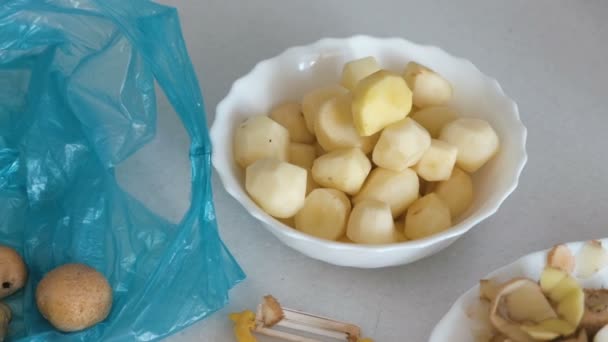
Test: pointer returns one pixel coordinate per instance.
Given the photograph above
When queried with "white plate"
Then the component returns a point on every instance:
(457, 326)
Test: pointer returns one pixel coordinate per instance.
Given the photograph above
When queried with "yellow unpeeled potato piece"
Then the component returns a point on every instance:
(428, 215)
(371, 222)
(344, 170)
(335, 129)
(279, 188)
(290, 116)
(428, 87)
(434, 118)
(356, 70)
(398, 189)
(401, 145)
(379, 100)
(260, 137)
(324, 214)
(312, 101)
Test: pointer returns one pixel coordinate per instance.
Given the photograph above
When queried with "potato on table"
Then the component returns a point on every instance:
(437, 162)
(476, 140)
(260, 137)
(290, 116)
(427, 216)
(371, 222)
(379, 100)
(456, 192)
(324, 214)
(398, 189)
(13, 271)
(335, 128)
(312, 101)
(401, 145)
(434, 118)
(279, 188)
(358, 69)
(428, 87)
(344, 170)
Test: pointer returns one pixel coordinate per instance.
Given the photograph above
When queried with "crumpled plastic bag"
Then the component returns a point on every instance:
(77, 98)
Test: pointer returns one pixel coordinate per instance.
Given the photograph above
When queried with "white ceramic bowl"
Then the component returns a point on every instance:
(291, 74)
(456, 324)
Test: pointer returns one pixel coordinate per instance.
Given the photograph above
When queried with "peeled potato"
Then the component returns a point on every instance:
(302, 155)
(290, 116)
(355, 71)
(401, 145)
(260, 137)
(279, 188)
(398, 189)
(335, 129)
(344, 170)
(428, 87)
(312, 101)
(379, 100)
(434, 118)
(456, 192)
(371, 222)
(437, 162)
(427, 216)
(324, 214)
(476, 140)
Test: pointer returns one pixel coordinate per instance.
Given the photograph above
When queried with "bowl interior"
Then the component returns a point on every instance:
(299, 70)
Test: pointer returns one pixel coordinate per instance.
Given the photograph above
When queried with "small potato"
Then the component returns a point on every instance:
(13, 271)
(312, 101)
(371, 222)
(429, 88)
(379, 100)
(434, 118)
(302, 155)
(398, 189)
(476, 140)
(456, 192)
(355, 71)
(290, 116)
(427, 216)
(344, 170)
(260, 137)
(437, 162)
(401, 145)
(324, 214)
(279, 188)
(73, 297)
(335, 129)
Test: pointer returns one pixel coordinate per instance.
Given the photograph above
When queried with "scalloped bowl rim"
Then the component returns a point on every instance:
(457, 230)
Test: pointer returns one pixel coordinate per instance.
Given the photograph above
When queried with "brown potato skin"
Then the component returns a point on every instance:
(13, 272)
(74, 297)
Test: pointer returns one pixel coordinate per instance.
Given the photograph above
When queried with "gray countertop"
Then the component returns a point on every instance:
(550, 56)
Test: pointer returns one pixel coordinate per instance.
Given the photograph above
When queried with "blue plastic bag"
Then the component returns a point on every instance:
(76, 98)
